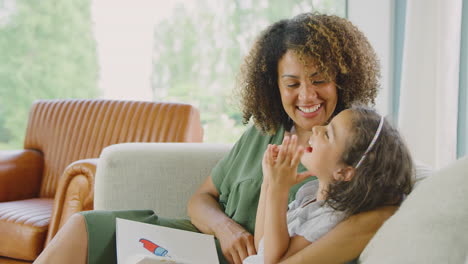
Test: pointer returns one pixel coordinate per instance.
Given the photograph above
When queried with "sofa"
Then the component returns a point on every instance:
(52, 177)
(431, 226)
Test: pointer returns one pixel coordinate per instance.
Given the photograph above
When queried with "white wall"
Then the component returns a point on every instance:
(124, 35)
(375, 19)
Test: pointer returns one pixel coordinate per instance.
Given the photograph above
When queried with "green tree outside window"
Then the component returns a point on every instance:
(47, 50)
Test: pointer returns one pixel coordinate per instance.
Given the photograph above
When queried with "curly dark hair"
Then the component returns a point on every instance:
(340, 50)
(384, 175)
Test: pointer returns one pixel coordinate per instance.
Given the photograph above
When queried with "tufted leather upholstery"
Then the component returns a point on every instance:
(24, 223)
(53, 177)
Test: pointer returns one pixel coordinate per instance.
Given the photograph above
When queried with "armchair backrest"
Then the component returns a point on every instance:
(69, 130)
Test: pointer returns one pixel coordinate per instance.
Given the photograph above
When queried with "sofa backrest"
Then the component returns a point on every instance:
(164, 175)
(69, 130)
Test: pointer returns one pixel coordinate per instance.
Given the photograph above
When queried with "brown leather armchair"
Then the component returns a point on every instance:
(42, 185)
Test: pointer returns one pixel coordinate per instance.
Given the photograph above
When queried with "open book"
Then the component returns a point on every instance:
(140, 243)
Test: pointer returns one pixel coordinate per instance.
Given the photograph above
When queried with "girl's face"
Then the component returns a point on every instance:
(307, 96)
(327, 145)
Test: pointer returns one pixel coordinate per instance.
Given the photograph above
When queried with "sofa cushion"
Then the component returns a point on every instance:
(431, 226)
(24, 224)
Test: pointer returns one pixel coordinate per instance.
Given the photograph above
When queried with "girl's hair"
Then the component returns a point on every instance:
(337, 47)
(383, 177)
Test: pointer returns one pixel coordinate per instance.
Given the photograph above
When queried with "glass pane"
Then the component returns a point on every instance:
(198, 50)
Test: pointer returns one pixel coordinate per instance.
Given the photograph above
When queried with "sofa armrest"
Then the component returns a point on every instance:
(157, 176)
(74, 194)
(20, 174)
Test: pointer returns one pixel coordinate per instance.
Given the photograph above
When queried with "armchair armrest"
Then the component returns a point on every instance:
(157, 176)
(74, 194)
(20, 174)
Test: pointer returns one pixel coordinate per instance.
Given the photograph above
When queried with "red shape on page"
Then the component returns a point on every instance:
(148, 245)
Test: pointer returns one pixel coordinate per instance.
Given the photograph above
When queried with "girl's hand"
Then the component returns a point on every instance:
(269, 157)
(282, 170)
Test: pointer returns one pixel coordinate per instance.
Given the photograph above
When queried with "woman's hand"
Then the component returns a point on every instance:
(206, 214)
(236, 242)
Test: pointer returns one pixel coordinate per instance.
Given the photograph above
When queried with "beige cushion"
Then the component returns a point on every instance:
(431, 225)
(157, 176)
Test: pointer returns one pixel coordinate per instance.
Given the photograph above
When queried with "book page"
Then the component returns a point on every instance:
(140, 243)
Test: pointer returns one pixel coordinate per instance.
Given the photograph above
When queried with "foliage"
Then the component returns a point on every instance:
(47, 50)
(198, 52)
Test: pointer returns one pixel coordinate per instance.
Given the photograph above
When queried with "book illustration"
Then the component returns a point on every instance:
(154, 248)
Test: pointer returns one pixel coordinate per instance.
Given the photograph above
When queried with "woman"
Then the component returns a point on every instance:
(299, 74)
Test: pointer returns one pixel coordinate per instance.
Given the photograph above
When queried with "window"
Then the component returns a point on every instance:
(182, 51)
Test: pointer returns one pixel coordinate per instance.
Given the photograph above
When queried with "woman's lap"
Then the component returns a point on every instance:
(101, 230)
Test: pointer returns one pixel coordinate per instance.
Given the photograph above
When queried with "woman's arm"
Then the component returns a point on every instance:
(206, 214)
(346, 241)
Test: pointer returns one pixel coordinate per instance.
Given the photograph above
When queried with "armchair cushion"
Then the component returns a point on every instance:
(157, 176)
(24, 224)
(431, 226)
(13, 261)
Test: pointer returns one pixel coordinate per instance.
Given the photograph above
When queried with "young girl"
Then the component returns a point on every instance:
(361, 163)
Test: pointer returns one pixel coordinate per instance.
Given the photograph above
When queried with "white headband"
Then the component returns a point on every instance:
(376, 136)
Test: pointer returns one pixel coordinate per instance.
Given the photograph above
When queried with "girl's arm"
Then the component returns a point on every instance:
(260, 220)
(268, 160)
(276, 230)
(282, 176)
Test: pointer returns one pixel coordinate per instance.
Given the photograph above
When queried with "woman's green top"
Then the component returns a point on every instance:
(238, 176)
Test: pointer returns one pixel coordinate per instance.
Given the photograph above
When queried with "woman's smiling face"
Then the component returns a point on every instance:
(308, 97)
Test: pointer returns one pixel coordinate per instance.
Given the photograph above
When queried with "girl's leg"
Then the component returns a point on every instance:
(70, 245)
